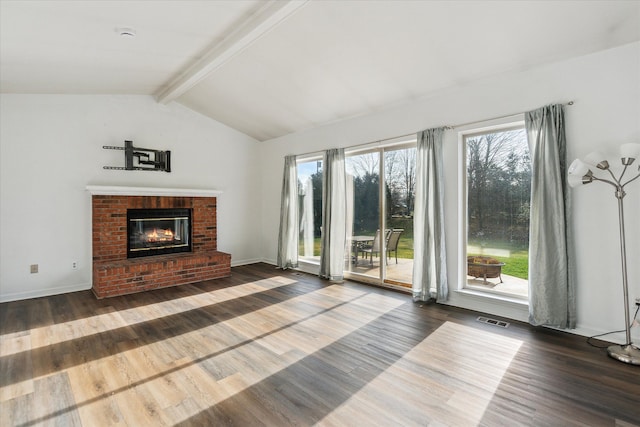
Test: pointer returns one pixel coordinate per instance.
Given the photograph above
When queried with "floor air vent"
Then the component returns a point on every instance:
(493, 322)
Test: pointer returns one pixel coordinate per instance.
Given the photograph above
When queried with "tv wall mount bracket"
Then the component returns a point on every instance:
(141, 159)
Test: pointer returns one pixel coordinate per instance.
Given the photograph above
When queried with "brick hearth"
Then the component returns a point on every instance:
(114, 274)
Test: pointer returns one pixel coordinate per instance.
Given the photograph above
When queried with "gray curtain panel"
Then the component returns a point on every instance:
(552, 287)
(334, 201)
(288, 235)
(430, 259)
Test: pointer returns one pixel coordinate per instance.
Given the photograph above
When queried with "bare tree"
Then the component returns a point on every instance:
(408, 169)
(390, 164)
(364, 164)
(392, 185)
(487, 154)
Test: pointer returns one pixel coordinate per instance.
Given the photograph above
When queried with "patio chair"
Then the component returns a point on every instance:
(392, 242)
(374, 247)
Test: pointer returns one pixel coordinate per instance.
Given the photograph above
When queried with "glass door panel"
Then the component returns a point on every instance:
(364, 239)
(309, 209)
(399, 180)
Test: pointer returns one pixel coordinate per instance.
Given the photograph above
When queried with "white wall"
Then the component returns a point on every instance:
(51, 148)
(606, 90)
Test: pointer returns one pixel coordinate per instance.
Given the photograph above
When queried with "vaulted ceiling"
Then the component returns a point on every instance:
(269, 68)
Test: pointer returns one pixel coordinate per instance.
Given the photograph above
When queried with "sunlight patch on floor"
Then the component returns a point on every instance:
(108, 318)
(264, 342)
(454, 374)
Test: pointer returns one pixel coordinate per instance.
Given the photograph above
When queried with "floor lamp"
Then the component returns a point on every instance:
(580, 173)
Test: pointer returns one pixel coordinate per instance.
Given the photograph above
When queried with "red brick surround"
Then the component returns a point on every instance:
(114, 274)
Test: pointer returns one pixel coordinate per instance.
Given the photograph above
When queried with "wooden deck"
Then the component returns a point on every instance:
(279, 348)
(403, 272)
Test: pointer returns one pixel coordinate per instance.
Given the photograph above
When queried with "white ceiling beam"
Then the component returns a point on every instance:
(260, 23)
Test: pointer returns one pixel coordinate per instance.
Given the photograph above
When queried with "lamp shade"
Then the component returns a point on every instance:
(630, 151)
(578, 168)
(574, 180)
(597, 159)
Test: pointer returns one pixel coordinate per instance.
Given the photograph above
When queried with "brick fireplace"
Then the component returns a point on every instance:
(115, 274)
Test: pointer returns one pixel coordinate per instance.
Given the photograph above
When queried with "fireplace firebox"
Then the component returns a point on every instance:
(158, 231)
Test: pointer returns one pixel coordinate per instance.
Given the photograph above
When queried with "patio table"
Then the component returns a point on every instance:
(356, 244)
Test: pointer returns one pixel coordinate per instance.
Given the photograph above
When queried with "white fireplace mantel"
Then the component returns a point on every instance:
(111, 190)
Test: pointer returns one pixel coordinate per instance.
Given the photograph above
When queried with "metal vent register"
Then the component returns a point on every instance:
(494, 322)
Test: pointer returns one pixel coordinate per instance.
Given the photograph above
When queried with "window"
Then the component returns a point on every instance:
(309, 209)
(496, 209)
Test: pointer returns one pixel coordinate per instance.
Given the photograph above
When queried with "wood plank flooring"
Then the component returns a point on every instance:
(275, 348)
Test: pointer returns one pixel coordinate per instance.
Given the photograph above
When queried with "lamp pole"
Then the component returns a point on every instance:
(624, 353)
(579, 173)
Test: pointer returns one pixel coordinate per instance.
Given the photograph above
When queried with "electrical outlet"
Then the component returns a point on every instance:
(74, 265)
(34, 268)
(638, 301)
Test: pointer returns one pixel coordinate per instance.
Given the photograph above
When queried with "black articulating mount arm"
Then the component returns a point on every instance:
(141, 159)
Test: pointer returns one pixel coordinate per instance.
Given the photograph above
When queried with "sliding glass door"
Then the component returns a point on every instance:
(380, 215)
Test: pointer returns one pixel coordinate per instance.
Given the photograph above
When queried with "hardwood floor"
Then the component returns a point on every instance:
(267, 347)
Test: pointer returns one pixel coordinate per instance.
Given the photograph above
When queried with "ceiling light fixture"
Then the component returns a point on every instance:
(128, 33)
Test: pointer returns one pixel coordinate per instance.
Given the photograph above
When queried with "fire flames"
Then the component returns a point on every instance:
(160, 235)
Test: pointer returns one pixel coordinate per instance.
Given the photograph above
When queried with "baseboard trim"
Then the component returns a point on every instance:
(17, 296)
(614, 337)
(237, 263)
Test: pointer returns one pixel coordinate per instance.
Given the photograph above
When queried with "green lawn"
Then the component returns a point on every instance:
(405, 247)
(316, 246)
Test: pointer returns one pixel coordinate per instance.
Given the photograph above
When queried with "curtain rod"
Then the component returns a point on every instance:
(493, 118)
(364, 144)
(450, 127)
